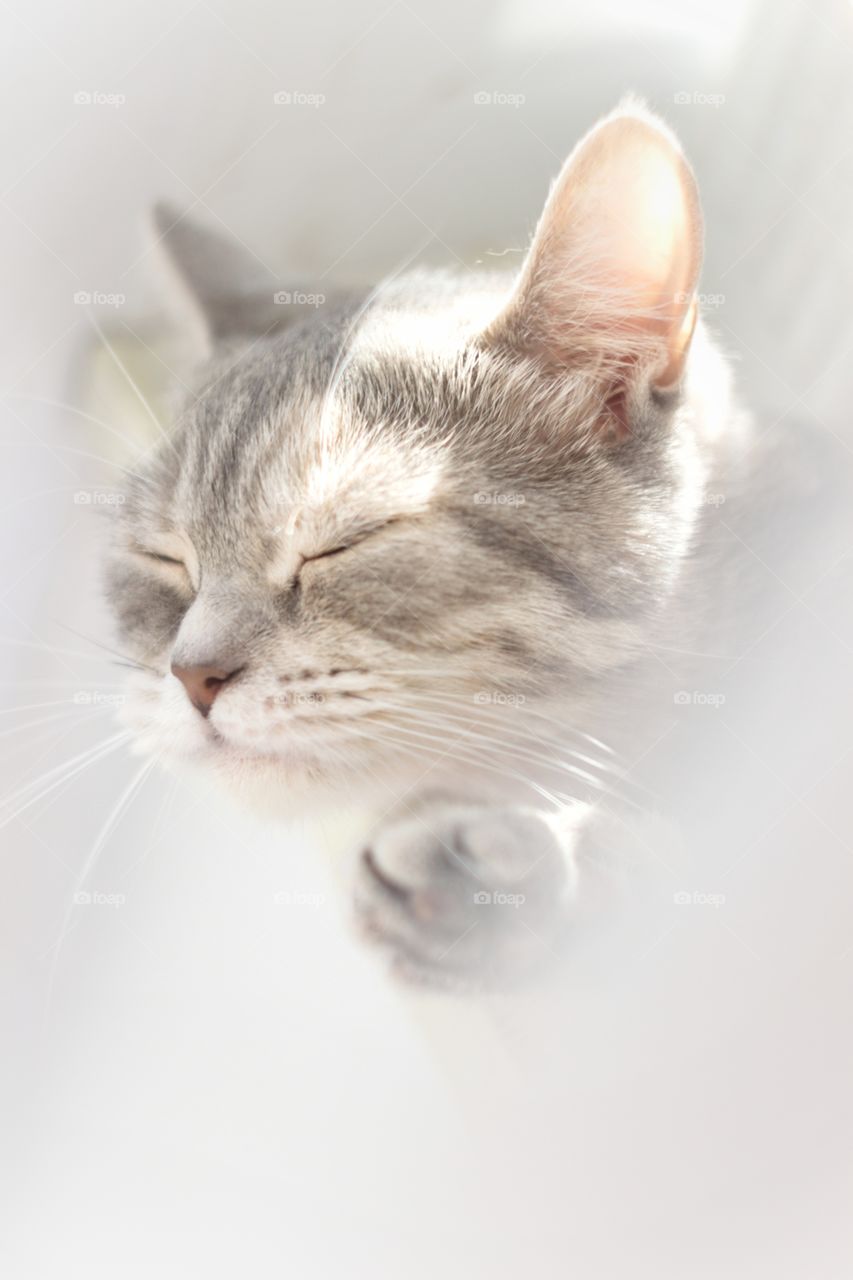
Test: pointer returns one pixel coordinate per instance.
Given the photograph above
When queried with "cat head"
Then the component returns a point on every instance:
(412, 513)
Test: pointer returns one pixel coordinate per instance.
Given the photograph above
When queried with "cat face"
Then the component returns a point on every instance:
(443, 502)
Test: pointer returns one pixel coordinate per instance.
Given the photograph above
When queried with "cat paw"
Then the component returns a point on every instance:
(466, 896)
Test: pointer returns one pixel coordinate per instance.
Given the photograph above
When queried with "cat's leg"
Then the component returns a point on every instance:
(463, 893)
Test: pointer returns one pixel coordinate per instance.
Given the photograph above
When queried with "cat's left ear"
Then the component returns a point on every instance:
(610, 279)
(214, 286)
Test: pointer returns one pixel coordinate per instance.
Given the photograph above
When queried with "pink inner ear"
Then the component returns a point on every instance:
(615, 259)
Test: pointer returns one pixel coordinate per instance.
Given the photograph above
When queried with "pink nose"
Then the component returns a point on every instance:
(202, 684)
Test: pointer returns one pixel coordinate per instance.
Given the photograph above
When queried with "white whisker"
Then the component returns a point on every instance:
(116, 653)
(444, 722)
(526, 708)
(57, 715)
(103, 835)
(18, 802)
(496, 718)
(67, 448)
(442, 750)
(131, 381)
(70, 408)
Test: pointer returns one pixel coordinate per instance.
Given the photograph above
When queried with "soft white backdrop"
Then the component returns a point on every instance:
(216, 1082)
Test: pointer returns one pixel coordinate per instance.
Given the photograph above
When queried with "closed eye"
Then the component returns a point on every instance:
(325, 555)
(347, 546)
(179, 568)
(156, 555)
(160, 557)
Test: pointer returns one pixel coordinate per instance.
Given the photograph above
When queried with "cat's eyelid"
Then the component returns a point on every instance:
(292, 557)
(172, 556)
(347, 543)
(168, 553)
(330, 551)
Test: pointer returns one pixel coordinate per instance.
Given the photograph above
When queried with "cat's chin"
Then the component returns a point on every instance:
(273, 786)
(282, 784)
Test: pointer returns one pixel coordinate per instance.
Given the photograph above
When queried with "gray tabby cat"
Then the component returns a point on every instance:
(419, 547)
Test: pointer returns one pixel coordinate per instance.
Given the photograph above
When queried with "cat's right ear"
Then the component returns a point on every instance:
(214, 287)
(609, 283)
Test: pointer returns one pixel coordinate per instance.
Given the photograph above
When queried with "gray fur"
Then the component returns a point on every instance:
(508, 560)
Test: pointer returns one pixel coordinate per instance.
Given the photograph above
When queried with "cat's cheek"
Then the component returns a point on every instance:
(162, 721)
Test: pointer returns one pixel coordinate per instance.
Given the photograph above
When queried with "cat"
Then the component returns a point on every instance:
(419, 546)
